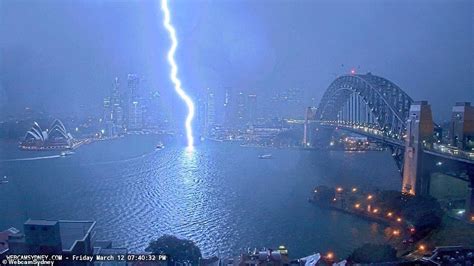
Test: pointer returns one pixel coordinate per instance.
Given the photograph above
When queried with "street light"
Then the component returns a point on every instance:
(354, 189)
(399, 219)
(329, 255)
(389, 214)
(357, 205)
(369, 197)
(339, 189)
(421, 247)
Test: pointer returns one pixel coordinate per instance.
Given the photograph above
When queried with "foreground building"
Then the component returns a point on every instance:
(450, 255)
(4, 239)
(53, 237)
(63, 237)
(272, 257)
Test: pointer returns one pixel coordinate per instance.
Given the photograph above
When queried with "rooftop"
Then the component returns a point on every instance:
(73, 231)
(40, 222)
(4, 238)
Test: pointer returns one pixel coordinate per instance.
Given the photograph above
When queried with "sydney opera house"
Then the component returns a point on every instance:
(54, 138)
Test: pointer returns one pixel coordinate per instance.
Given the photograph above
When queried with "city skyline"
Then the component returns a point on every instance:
(258, 61)
(237, 132)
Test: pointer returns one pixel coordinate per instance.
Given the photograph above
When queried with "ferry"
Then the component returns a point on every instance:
(66, 153)
(160, 146)
(4, 181)
(265, 156)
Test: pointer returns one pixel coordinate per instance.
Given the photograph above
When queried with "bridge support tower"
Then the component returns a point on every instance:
(420, 128)
(470, 202)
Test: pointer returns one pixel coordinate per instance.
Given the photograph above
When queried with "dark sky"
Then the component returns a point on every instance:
(59, 55)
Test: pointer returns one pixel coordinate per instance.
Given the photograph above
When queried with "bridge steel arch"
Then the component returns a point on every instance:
(387, 103)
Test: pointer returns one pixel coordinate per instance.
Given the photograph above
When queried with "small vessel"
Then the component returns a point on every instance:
(66, 153)
(160, 146)
(4, 180)
(265, 156)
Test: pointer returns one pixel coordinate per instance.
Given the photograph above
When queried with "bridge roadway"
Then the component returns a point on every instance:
(436, 149)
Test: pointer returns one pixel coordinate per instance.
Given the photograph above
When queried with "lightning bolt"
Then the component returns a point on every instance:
(174, 72)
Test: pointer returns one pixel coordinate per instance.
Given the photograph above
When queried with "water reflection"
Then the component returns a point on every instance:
(188, 165)
(220, 196)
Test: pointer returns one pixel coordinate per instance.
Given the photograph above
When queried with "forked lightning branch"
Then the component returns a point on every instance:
(174, 73)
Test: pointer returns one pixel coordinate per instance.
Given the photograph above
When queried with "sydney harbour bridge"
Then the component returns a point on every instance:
(377, 108)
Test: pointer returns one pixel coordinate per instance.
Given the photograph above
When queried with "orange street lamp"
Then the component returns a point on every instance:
(339, 189)
(389, 214)
(354, 189)
(396, 232)
(369, 197)
(421, 247)
(357, 205)
(376, 210)
(329, 255)
(399, 219)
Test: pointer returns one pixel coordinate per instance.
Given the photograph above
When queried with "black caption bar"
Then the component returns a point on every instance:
(25, 259)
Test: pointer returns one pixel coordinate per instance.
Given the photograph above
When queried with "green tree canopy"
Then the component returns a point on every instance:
(372, 253)
(178, 250)
(424, 212)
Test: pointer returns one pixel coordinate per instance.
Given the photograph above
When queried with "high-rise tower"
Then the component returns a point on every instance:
(135, 112)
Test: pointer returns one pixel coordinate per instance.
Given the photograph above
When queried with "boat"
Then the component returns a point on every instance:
(265, 156)
(160, 146)
(4, 180)
(66, 153)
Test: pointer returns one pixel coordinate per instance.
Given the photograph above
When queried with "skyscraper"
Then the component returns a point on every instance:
(107, 115)
(116, 104)
(228, 107)
(112, 117)
(210, 112)
(240, 111)
(286, 103)
(135, 112)
(151, 109)
(206, 112)
(252, 109)
(310, 116)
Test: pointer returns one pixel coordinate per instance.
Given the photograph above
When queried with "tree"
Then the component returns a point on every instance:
(373, 253)
(288, 137)
(424, 213)
(390, 200)
(323, 195)
(178, 250)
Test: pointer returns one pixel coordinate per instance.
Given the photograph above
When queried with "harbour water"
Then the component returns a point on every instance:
(220, 195)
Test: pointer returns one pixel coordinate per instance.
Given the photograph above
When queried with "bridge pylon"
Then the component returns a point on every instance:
(470, 200)
(420, 128)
